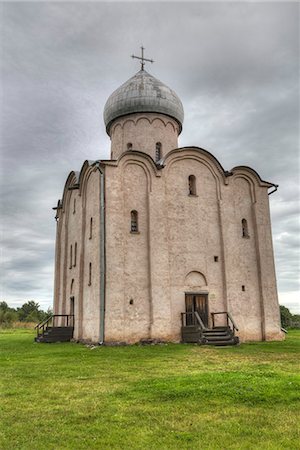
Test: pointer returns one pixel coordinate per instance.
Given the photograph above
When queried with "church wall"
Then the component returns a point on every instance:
(127, 262)
(89, 315)
(143, 131)
(66, 273)
(194, 236)
(241, 259)
(267, 267)
(72, 275)
(59, 263)
(186, 243)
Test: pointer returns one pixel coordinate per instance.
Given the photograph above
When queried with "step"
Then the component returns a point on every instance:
(56, 334)
(217, 333)
(224, 328)
(218, 338)
(49, 339)
(218, 330)
(220, 343)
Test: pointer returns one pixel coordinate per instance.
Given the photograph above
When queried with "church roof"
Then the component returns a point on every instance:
(143, 93)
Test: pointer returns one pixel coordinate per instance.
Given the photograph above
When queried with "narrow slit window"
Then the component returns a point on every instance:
(74, 206)
(71, 256)
(134, 221)
(75, 254)
(91, 228)
(157, 151)
(129, 146)
(245, 232)
(90, 274)
(192, 185)
(72, 286)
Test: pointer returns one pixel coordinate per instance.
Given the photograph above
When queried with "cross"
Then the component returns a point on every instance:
(142, 58)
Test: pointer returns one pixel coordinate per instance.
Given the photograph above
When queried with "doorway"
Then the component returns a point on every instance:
(196, 302)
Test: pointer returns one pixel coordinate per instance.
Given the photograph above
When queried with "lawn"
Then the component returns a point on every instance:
(71, 396)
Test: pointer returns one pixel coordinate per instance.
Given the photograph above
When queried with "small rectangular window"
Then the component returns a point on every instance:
(71, 257)
(75, 254)
(91, 228)
(192, 185)
(90, 274)
(134, 222)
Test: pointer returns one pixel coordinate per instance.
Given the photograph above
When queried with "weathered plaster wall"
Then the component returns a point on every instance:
(179, 237)
(90, 292)
(127, 262)
(148, 273)
(143, 131)
(193, 233)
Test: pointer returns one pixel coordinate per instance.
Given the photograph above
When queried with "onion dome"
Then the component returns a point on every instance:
(143, 94)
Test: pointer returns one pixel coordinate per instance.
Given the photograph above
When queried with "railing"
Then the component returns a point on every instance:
(228, 319)
(59, 320)
(192, 319)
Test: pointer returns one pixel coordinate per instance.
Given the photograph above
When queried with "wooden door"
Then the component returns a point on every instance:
(199, 303)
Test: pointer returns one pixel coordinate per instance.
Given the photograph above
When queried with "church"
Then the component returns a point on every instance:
(161, 243)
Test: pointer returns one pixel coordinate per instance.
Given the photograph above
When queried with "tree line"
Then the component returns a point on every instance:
(31, 312)
(28, 312)
(289, 320)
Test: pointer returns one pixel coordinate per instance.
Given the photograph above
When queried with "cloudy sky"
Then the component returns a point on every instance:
(235, 67)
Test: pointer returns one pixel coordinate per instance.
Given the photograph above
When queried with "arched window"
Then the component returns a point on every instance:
(90, 274)
(91, 228)
(71, 257)
(245, 232)
(134, 222)
(75, 254)
(192, 185)
(129, 146)
(157, 151)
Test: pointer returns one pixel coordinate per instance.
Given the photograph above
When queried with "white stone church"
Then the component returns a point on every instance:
(160, 242)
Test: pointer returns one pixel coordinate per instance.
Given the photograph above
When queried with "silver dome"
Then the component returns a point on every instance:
(142, 93)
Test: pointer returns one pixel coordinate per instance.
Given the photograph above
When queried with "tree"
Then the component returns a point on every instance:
(286, 317)
(30, 312)
(7, 315)
(3, 306)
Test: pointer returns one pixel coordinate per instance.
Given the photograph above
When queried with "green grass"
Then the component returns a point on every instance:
(70, 396)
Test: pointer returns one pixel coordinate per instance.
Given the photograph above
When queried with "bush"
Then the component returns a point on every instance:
(288, 320)
(7, 317)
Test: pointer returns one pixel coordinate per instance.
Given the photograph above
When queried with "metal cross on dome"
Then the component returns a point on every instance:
(142, 58)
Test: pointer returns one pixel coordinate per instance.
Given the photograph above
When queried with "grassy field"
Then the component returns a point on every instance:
(70, 396)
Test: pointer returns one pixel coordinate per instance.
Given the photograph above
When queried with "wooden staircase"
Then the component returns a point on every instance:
(56, 328)
(193, 330)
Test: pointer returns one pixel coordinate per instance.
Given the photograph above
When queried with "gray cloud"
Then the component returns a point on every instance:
(234, 65)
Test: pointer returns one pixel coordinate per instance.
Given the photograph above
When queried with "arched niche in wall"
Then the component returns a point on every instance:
(195, 279)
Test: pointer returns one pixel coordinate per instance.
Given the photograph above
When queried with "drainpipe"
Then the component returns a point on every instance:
(274, 190)
(102, 254)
